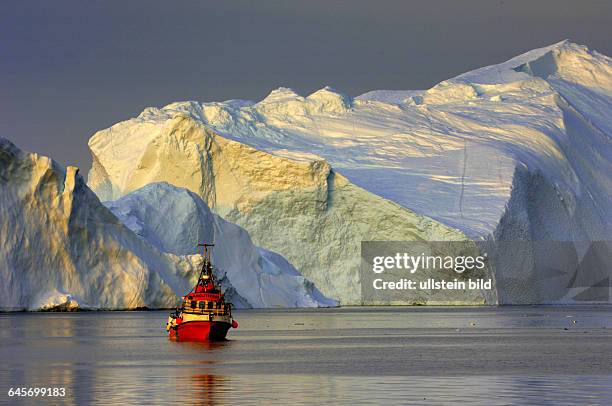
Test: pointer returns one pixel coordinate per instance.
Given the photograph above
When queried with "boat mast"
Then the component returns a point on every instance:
(207, 265)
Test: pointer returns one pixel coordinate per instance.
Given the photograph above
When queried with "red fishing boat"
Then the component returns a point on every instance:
(204, 315)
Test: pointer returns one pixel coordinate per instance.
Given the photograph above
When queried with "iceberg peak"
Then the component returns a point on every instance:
(564, 60)
(7, 146)
(281, 94)
(329, 100)
(568, 61)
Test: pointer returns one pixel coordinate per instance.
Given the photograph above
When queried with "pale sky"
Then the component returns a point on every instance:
(70, 68)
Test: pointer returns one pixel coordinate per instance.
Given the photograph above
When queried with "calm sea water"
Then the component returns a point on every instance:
(415, 355)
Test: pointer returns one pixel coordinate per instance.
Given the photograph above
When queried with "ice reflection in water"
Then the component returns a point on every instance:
(485, 356)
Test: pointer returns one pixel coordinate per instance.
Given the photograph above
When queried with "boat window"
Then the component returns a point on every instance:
(210, 305)
(193, 303)
(201, 304)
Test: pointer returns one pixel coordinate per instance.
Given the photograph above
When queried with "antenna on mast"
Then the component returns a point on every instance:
(206, 251)
(207, 265)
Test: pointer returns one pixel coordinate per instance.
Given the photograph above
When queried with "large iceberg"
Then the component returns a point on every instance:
(60, 248)
(515, 151)
(172, 219)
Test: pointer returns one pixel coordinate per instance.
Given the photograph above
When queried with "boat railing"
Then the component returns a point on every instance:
(223, 310)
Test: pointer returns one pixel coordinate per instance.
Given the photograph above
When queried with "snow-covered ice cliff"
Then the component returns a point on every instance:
(60, 247)
(516, 151)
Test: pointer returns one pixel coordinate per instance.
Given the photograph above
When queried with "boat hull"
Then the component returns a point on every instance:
(200, 331)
